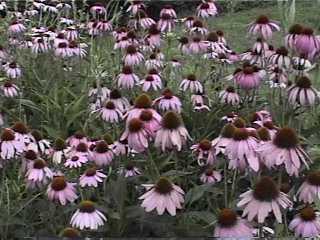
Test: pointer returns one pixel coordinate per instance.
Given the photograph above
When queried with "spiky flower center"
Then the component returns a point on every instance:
(248, 70)
(79, 135)
(146, 115)
(227, 217)
(87, 207)
(171, 120)
(295, 29)
(20, 127)
(82, 147)
(228, 131)
(307, 31)
(39, 164)
(163, 186)
(239, 123)
(192, 77)
(90, 172)
(131, 50)
(190, 18)
(213, 37)
(8, 84)
(220, 33)
(240, 134)
(308, 214)
(7, 135)
(282, 51)
(167, 93)
(198, 24)
(58, 183)
(262, 19)
(135, 125)
(184, 40)
(153, 30)
(153, 71)
(313, 178)
(70, 233)
(269, 125)
(196, 39)
(149, 78)
(59, 144)
(101, 147)
(303, 82)
(286, 138)
(230, 89)
(13, 65)
(30, 155)
(143, 101)
(37, 135)
(115, 94)
(266, 190)
(110, 105)
(74, 158)
(264, 134)
(204, 6)
(205, 145)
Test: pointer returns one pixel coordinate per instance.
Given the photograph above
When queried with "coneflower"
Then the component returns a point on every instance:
(168, 102)
(133, 56)
(210, 175)
(10, 90)
(229, 96)
(207, 9)
(309, 191)
(62, 191)
(102, 154)
(205, 151)
(91, 177)
(263, 27)
(280, 58)
(191, 83)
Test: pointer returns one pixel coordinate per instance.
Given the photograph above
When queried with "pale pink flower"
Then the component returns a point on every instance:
(38, 173)
(302, 93)
(39, 144)
(122, 43)
(229, 96)
(76, 138)
(77, 49)
(120, 33)
(13, 70)
(291, 37)
(265, 198)
(168, 9)
(137, 135)
(76, 161)
(241, 151)
(98, 9)
(91, 177)
(10, 89)
(191, 82)
(223, 140)
(306, 224)
(62, 50)
(132, 57)
(61, 191)
(247, 78)
(188, 22)
(184, 45)
(278, 76)
(198, 28)
(172, 134)
(205, 152)
(221, 37)
(109, 112)
(104, 26)
(260, 46)
(59, 151)
(153, 38)
(135, 6)
(151, 121)
(168, 102)
(263, 27)
(151, 83)
(309, 191)
(102, 154)
(162, 196)
(142, 20)
(280, 58)
(87, 216)
(120, 148)
(231, 226)
(129, 171)
(284, 149)
(166, 23)
(261, 117)
(197, 46)
(213, 43)
(307, 43)
(10, 146)
(207, 9)
(16, 28)
(40, 46)
(121, 102)
(127, 79)
(153, 62)
(210, 176)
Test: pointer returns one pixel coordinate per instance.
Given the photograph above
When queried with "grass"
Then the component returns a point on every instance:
(234, 25)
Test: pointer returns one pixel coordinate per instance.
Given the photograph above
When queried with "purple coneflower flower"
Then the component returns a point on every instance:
(184, 45)
(247, 78)
(229, 96)
(121, 102)
(168, 9)
(104, 26)
(76, 161)
(38, 173)
(309, 191)
(198, 28)
(172, 133)
(132, 57)
(291, 37)
(62, 191)
(306, 224)
(87, 216)
(10, 89)
(59, 151)
(284, 149)
(151, 83)
(76, 138)
(127, 79)
(188, 22)
(91, 177)
(151, 122)
(164, 195)
(168, 102)
(98, 9)
(307, 43)
(263, 27)
(153, 38)
(225, 137)
(231, 226)
(135, 6)
(210, 176)
(110, 113)
(191, 82)
(102, 154)
(142, 19)
(207, 9)
(263, 199)
(241, 150)
(62, 50)
(39, 144)
(302, 93)
(280, 58)
(10, 146)
(13, 70)
(129, 170)
(16, 27)
(205, 152)
(278, 76)
(197, 46)
(166, 23)
(153, 62)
